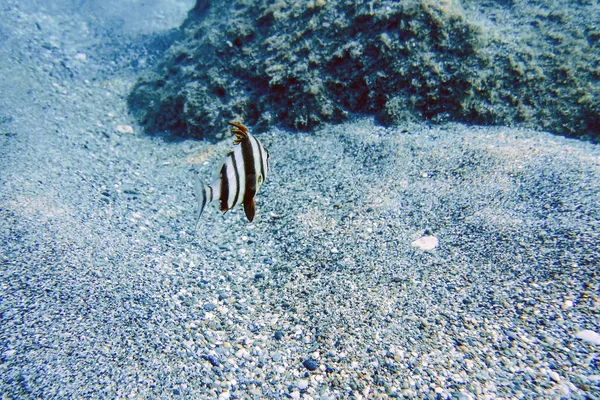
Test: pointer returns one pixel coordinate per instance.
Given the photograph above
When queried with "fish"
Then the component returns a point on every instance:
(242, 174)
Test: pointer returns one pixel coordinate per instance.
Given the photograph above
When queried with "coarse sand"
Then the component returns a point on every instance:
(106, 291)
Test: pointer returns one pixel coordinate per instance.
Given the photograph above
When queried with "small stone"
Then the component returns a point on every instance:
(212, 360)
(302, 384)
(240, 353)
(224, 395)
(426, 243)
(310, 365)
(209, 307)
(588, 336)
(278, 335)
(554, 376)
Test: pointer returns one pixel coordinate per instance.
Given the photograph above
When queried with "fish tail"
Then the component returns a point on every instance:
(203, 195)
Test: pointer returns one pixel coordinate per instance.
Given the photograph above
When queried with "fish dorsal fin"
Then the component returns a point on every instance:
(241, 132)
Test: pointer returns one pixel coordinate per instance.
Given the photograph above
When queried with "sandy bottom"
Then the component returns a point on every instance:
(418, 261)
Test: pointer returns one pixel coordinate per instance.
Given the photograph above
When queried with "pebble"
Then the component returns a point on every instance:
(426, 243)
(302, 384)
(278, 335)
(242, 353)
(588, 336)
(224, 395)
(310, 365)
(209, 307)
(594, 378)
(212, 359)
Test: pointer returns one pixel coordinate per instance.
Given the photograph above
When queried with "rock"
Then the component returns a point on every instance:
(399, 61)
(9, 353)
(214, 361)
(302, 384)
(588, 336)
(310, 365)
(464, 396)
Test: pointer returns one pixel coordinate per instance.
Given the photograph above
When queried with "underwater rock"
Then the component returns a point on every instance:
(588, 336)
(298, 64)
(310, 365)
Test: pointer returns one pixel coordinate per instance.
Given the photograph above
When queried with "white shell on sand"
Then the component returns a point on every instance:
(427, 243)
(124, 129)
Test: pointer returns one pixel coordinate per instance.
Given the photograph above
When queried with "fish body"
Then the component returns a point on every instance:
(243, 172)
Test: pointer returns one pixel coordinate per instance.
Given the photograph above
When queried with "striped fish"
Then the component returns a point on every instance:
(242, 174)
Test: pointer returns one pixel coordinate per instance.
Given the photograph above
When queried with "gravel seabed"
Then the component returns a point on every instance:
(107, 292)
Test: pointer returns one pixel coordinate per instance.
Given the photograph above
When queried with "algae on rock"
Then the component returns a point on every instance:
(297, 64)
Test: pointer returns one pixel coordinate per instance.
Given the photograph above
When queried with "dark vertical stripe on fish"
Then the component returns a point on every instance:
(248, 156)
(237, 179)
(260, 157)
(224, 187)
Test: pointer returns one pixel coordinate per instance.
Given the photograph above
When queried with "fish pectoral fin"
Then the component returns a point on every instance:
(201, 193)
(250, 209)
